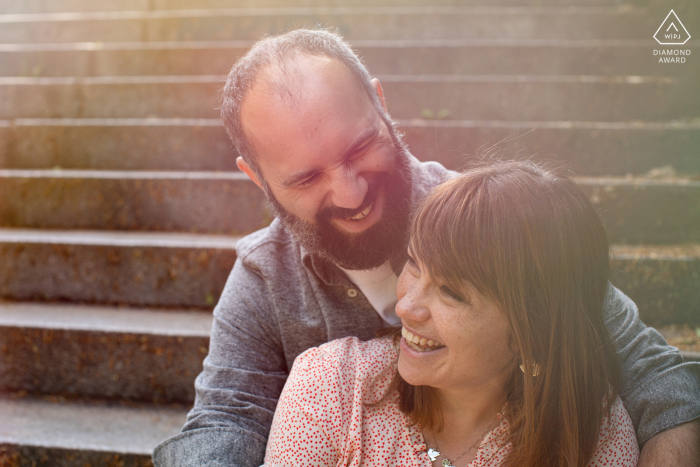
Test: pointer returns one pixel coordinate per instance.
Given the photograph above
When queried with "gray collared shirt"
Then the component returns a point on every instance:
(280, 300)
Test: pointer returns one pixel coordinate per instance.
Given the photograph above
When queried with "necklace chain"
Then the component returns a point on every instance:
(435, 453)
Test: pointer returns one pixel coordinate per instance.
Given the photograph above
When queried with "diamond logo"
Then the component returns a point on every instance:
(672, 31)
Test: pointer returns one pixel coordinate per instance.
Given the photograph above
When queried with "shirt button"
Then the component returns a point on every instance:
(352, 293)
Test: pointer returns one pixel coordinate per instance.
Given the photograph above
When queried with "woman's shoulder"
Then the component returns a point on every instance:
(617, 441)
(349, 365)
(350, 353)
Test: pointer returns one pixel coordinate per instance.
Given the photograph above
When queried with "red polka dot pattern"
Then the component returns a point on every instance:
(323, 417)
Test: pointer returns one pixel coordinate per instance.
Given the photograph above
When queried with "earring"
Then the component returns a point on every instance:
(535, 368)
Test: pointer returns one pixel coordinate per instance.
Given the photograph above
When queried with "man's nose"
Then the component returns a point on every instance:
(349, 190)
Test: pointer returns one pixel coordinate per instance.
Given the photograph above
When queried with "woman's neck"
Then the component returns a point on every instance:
(467, 418)
(465, 411)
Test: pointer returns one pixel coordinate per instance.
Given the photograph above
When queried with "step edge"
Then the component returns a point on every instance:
(106, 319)
(308, 11)
(406, 123)
(118, 238)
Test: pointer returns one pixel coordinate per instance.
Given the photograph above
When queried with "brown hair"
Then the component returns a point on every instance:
(530, 241)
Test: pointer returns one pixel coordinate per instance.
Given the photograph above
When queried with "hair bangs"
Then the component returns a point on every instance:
(452, 235)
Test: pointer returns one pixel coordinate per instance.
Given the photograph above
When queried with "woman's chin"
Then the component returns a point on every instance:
(413, 375)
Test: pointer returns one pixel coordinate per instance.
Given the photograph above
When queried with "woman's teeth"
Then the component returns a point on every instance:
(363, 214)
(421, 344)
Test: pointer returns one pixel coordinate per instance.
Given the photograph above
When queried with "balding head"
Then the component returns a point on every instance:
(277, 60)
(303, 111)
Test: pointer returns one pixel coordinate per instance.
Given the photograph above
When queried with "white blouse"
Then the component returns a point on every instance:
(323, 417)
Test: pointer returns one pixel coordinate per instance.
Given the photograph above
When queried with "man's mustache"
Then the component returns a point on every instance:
(335, 212)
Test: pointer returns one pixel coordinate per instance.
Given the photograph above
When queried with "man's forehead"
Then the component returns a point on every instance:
(326, 106)
(300, 79)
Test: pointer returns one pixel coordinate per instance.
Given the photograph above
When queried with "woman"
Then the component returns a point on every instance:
(503, 357)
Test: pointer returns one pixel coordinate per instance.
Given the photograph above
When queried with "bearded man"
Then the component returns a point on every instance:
(312, 130)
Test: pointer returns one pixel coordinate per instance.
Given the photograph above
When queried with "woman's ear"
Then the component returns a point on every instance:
(245, 168)
(380, 93)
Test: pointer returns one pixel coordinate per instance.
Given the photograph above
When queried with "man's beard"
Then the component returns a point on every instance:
(384, 241)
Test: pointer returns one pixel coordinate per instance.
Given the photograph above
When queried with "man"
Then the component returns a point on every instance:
(313, 132)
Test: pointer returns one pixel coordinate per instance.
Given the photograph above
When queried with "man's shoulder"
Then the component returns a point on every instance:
(426, 176)
(436, 171)
(269, 244)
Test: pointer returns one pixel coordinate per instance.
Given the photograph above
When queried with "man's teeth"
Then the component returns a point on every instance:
(419, 343)
(363, 214)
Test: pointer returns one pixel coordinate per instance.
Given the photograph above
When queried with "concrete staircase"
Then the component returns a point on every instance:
(120, 203)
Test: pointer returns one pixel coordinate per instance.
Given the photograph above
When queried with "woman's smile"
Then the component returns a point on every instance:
(418, 343)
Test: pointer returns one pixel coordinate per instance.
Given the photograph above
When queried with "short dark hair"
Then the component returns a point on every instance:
(276, 53)
(531, 242)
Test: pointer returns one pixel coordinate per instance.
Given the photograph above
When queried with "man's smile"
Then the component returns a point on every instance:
(361, 221)
(363, 214)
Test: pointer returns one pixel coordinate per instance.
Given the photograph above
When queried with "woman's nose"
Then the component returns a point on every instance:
(412, 304)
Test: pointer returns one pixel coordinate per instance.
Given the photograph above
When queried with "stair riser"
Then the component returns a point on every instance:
(633, 213)
(146, 367)
(118, 147)
(491, 59)
(353, 26)
(595, 152)
(461, 101)
(37, 456)
(667, 291)
(638, 214)
(586, 151)
(38, 6)
(210, 205)
(168, 277)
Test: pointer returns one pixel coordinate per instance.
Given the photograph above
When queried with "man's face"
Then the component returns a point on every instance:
(333, 169)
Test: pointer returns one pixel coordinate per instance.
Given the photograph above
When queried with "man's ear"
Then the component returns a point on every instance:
(380, 93)
(245, 168)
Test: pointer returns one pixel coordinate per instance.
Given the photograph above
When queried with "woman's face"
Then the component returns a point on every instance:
(469, 334)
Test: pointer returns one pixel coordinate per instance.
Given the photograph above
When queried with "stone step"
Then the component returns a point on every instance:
(187, 270)
(162, 201)
(664, 281)
(120, 268)
(647, 211)
(104, 352)
(54, 432)
(634, 210)
(39, 6)
(373, 22)
(108, 353)
(466, 57)
(460, 97)
(589, 148)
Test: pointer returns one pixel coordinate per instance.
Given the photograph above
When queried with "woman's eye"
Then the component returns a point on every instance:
(450, 293)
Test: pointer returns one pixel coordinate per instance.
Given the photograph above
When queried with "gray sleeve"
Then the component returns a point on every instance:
(238, 389)
(659, 390)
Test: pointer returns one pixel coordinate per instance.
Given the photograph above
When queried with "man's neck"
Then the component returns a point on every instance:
(379, 287)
